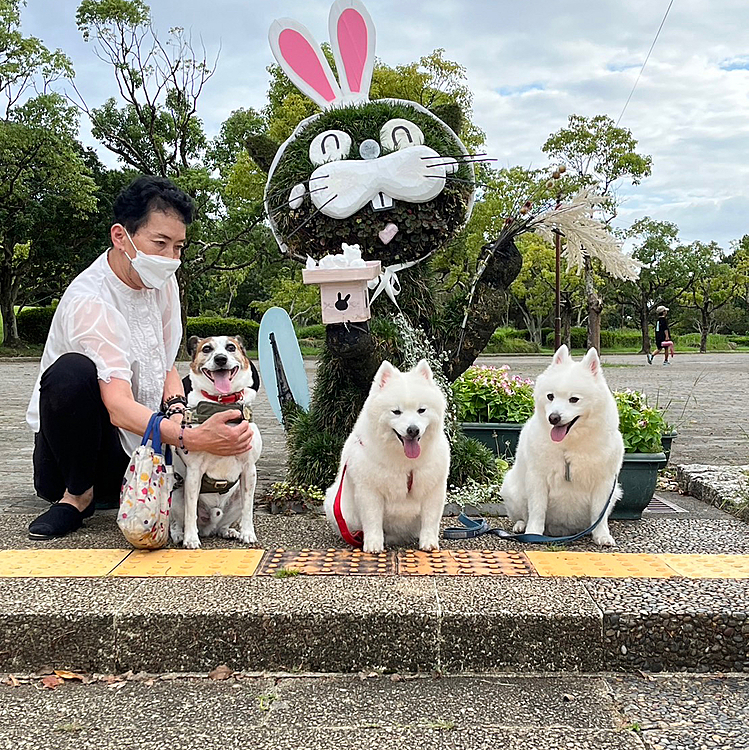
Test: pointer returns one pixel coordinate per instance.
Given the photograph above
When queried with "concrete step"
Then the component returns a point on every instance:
(348, 623)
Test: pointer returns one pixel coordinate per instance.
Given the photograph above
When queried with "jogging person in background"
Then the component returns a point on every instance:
(662, 336)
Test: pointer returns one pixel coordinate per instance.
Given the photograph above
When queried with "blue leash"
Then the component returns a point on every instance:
(477, 527)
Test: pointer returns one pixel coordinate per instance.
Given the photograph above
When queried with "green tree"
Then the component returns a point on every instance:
(667, 271)
(154, 128)
(43, 178)
(717, 281)
(597, 153)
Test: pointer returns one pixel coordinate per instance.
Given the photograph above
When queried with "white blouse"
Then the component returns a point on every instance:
(130, 334)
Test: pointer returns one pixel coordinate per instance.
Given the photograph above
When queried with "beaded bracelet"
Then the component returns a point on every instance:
(182, 437)
(174, 400)
(174, 409)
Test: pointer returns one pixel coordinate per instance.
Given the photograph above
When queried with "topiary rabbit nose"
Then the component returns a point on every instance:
(369, 149)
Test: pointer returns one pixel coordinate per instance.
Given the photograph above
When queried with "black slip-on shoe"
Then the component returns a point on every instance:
(61, 519)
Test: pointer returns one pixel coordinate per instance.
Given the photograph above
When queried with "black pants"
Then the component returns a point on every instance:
(77, 447)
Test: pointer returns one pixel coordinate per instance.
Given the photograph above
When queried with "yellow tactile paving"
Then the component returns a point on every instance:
(59, 563)
(709, 566)
(185, 562)
(463, 562)
(600, 565)
(331, 562)
(98, 563)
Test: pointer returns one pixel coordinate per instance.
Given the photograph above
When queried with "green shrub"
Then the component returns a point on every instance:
(578, 338)
(621, 338)
(471, 460)
(489, 394)
(33, 324)
(202, 327)
(692, 341)
(316, 331)
(641, 425)
(739, 340)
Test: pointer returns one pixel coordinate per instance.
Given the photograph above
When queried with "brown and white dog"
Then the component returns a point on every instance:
(218, 490)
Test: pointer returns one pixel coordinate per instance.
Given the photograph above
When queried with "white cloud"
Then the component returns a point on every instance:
(530, 65)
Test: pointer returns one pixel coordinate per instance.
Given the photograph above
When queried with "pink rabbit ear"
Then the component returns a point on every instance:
(352, 36)
(302, 60)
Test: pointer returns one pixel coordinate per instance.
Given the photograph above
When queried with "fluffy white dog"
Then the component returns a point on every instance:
(392, 480)
(569, 453)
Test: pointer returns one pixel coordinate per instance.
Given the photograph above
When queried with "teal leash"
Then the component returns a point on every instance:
(474, 527)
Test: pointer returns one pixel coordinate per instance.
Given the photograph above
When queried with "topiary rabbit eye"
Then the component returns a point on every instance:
(332, 145)
(398, 134)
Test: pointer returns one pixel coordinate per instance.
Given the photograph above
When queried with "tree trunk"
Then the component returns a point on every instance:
(645, 329)
(567, 320)
(7, 302)
(704, 331)
(595, 307)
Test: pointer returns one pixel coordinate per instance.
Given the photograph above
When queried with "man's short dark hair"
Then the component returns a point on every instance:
(150, 193)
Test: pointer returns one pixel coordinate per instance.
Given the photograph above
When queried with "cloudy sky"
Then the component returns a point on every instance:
(530, 65)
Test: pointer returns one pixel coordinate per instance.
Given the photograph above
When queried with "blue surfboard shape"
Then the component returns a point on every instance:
(277, 345)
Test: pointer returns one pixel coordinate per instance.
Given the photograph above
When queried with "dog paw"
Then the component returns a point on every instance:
(177, 534)
(429, 546)
(229, 533)
(605, 540)
(190, 542)
(429, 543)
(374, 547)
(249, 537)
(519, 527)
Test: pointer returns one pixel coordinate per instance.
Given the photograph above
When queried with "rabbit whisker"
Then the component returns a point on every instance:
(309, 218)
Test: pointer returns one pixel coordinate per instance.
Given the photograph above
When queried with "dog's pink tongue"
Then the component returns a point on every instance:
(411, 447)
(558, 433)
(221, 381)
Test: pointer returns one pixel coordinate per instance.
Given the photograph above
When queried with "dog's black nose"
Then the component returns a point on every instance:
(412, 431)
(554, 418)
(220, 360)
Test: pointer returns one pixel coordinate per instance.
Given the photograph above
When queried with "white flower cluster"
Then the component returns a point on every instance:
(349, 258)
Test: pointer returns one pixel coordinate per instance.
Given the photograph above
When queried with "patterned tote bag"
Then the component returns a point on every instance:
(146, 494)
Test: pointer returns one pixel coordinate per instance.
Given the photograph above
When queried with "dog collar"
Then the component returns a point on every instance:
(221, 398)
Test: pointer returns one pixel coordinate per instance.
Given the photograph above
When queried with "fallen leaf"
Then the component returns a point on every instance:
(69, 675)
(13, 681)
(222, 672)
(51, 681)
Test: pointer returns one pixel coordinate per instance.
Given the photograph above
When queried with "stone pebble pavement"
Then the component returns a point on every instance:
(706, 395)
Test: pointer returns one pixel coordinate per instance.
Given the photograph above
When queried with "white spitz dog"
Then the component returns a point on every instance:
(392, 479)
(569, 453)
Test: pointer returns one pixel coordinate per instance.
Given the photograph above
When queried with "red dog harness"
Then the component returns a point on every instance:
(357, 538)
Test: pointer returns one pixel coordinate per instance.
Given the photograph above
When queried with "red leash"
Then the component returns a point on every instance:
(357, 538)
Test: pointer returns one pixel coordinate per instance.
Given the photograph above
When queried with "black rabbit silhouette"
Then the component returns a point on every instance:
(342, 304)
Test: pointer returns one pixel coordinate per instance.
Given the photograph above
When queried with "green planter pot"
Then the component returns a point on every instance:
(499, 437)
(638, 476)
(666, 441)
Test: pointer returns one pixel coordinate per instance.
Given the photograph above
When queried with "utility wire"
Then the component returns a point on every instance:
(665, 16)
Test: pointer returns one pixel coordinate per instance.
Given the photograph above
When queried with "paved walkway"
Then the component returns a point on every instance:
(706, 397)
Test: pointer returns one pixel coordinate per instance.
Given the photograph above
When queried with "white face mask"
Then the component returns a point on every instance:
(154, 270)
